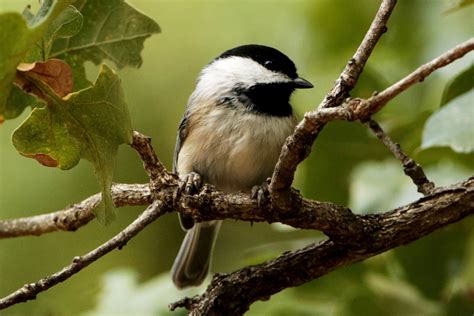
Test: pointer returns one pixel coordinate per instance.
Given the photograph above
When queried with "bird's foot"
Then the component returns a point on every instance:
(190, 183)
(261, 194)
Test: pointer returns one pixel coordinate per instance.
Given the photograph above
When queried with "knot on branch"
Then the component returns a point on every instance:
(414, 170)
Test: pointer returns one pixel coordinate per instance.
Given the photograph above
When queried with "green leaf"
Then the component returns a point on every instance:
(19, 36)
(88, 124)
(112, 30)
(452, 126)
(17, 101)
(460, 84)
(67, 24)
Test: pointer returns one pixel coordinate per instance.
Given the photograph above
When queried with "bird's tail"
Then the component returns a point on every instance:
(192, 263)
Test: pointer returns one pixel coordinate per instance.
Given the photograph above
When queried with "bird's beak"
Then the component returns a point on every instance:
(300, 83)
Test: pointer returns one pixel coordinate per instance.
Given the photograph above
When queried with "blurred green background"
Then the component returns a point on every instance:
(433, 276)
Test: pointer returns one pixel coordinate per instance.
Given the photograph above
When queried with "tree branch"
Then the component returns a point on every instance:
(351, 73)
(298, 146)
(410, 167)
(74, 216)
(338, 222)
(232, 294)
(376, 102)
(29, 291)
(155, 169)
(77, 215)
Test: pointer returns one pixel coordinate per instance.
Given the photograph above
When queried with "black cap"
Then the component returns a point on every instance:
(268, 57)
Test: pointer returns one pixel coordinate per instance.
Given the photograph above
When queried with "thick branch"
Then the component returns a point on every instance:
(29, 291)
(232, 294)
(209, 204)
(332, 219)
(410, 167)
(298, 146)
(74, 216)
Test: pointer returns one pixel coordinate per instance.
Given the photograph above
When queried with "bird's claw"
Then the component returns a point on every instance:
(190, 183)
(261, 194)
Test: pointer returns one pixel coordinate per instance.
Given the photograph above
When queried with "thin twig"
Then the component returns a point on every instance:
(152, 165)
(410, 167)
(354, 67)
(74, 216)
(29, 291)
(376, 102)
(298, 146)
(362, 110)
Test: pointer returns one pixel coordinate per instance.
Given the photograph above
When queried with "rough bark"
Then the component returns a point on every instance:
(232, 294)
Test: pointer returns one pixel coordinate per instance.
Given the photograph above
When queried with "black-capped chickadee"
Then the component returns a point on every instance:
(230, 136)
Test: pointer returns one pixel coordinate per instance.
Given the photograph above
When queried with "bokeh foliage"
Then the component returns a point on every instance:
(433, 276)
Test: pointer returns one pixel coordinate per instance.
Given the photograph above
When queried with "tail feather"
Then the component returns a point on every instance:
(192, 263)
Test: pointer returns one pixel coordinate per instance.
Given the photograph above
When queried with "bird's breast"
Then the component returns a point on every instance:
(231, 149)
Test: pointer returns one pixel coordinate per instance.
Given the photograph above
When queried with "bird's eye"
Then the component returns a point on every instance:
(267, 63)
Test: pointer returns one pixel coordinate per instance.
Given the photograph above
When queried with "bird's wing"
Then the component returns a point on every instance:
(182, 133)
(186, 221)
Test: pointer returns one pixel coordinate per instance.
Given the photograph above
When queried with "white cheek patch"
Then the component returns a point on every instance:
(223, 75)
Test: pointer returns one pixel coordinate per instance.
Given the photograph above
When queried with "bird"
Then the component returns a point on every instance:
(231, 134)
